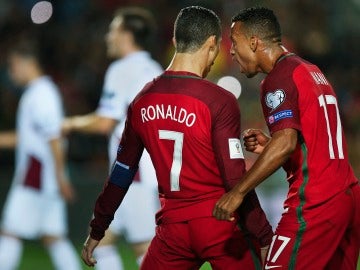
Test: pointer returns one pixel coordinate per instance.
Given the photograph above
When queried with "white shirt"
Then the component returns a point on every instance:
(124, 79)
(39, 118)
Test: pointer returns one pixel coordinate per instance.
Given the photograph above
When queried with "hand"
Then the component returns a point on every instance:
(66, 190)
(255, 140)
(225, 207)
(87, 251)
(263, 253)
(66, 127)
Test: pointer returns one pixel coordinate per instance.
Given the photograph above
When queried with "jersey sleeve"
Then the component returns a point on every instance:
(112, 103)
(115, 189)
(229, 155)
(253, 219)
(131, 145)
(48, 114)
(106, 204)
(279, 100)
(226, 143)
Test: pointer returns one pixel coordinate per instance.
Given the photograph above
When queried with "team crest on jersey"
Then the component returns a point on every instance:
(275, 99)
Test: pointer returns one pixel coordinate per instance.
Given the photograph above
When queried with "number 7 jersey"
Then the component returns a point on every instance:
(191, 129)
(296, 94)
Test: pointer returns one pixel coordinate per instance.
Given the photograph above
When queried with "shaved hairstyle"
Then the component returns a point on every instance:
(193, 26)
(260, 21)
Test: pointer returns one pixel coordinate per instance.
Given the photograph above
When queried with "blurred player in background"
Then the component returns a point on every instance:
(191, 128)
(131, 33)
(36, 203)
(320, 227)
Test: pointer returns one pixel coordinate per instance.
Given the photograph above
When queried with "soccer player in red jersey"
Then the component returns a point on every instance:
(191, 129)
(320, 227)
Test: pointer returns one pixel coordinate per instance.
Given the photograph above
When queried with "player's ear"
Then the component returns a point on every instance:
(212, 42)
(254, 43)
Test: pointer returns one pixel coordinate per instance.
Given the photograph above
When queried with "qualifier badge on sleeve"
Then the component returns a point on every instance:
(235, 149)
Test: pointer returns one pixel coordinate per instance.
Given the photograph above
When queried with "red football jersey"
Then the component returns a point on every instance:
(191, 129)
(296, 94)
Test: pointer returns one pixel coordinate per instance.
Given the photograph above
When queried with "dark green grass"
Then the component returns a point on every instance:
(36, 257)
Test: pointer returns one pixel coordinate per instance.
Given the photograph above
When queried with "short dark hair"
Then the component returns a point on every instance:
(141, 23)
(193, 26)
(260, 21)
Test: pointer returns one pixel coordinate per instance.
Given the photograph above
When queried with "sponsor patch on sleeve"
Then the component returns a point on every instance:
(280, 115)
(235, 149)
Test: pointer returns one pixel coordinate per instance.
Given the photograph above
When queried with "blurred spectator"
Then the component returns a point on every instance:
(128, 41)
(35, 206)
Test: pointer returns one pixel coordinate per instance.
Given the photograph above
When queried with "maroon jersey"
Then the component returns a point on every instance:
(191, 129)
(296, 94)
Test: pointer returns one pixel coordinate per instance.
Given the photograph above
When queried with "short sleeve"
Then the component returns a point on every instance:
(112, 103)
(279, 99)
(48, 113)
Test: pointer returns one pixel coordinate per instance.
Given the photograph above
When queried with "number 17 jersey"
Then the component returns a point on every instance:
(296, 94)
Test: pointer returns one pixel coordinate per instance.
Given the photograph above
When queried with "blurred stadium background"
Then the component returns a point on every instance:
(72, 40)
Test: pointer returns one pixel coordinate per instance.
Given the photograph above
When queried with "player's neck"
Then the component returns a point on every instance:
(186, 62)
(130, 50)
(34, 74)
(271, 57)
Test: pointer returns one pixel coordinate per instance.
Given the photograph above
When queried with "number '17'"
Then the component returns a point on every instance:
(331, 100)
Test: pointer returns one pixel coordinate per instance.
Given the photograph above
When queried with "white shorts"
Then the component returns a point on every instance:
(135, 218)
(29, 214)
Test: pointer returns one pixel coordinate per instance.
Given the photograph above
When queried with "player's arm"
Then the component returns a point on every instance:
(63, 182)
(255, 140)
(115, 188)
(8, 139)
(89, 123)
(232, 169)
(274, 155)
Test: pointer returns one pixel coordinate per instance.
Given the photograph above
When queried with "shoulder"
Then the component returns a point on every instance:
(44, 87)
(115, 66)
(144, 64)
(282, 75)
(218, 94)
(148, 87)
(151, 61)
(112, 77)
(287, 67)
(44, 98)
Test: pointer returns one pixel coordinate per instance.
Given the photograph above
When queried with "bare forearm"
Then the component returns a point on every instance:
(274, 155)
(90, 123)
(64, 184)
(8, 139)
(59, 158)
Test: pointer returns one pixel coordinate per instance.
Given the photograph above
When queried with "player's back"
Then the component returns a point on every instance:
(179, 118)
